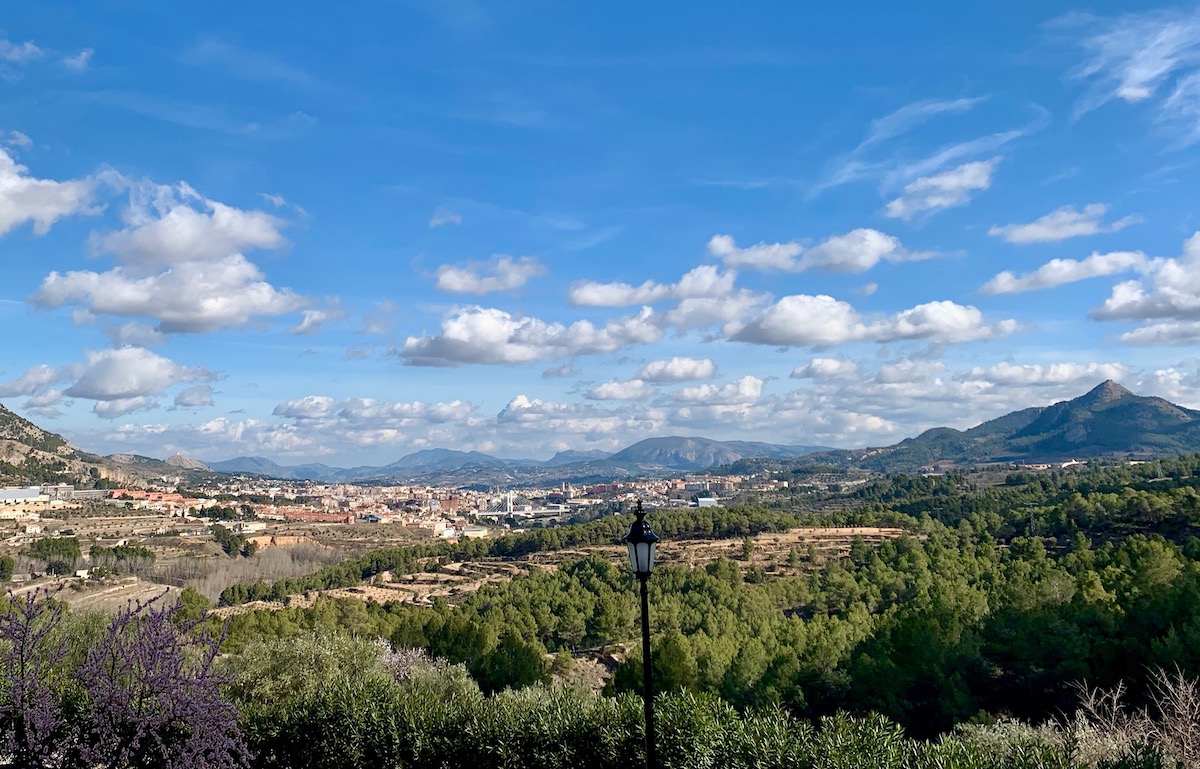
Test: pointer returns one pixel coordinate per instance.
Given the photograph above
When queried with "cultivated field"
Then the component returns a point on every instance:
(771, 552)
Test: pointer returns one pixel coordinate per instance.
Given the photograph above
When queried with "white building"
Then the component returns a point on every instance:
(29, 495)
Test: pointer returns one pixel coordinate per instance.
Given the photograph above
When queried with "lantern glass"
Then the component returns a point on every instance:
(641, 556)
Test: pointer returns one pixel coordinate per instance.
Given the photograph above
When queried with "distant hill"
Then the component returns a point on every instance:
(1106, 421)
(699, 453)
(136, 468)
(264, 466)
(29, 454)
(454, 467)
(185, 463)
(444, 459)
(569, 457)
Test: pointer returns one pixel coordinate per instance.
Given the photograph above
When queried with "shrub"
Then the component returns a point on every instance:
(140, 691)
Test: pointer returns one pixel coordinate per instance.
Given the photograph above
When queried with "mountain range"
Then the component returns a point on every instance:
(1107, 421)
(653, 454)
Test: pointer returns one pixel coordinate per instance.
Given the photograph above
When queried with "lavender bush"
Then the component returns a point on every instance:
(32, 724)
(143, 695)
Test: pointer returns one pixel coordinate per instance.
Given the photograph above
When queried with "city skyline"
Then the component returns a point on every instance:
(419, 224)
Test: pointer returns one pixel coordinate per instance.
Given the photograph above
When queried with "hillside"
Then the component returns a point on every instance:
(264, 466)
(29, 454)
(1109, 420)
(699, 453)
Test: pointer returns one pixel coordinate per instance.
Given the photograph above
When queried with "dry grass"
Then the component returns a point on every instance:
(1106, 725)
(212, 575)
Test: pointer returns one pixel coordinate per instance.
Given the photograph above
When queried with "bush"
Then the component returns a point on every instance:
(139, 692)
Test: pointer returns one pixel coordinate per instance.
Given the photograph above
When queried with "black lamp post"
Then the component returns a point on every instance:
(642, 541)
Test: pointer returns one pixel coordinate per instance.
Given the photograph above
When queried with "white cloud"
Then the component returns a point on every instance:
(33, 381)
(80, 61)
(748, 389)
(24, 198)
(1173, 383)
(853, 166)
(1182, 108)
(1062, 223)
(119, 407)
(217, 439)
(1134, 55)
(248, 64)
(443, 217)
(804, 320)
(762, 256)
(944, 190)
(308, 407)
(704, 312)
(134, 335)
(1167, 332)
(909, 371)
(168, 224)
(196, 397)
(502, 273)
(1038, 375)
(493, 336)
(702, 282)
(129, 372)
(873, 408)
(678, 369)
(584, 422)
(826, 368)
(189, 297)
(912, 115)
(1170, 291)
(19, 53)
(620, 390)
(941, 322)
(559, 372)
(122, 380)
(1057, 272)
(378, 320)
(312, 320)
(370, 413)
(180, 263)
(19, 140)
(857, 251)
(319, 420)
(44, 399)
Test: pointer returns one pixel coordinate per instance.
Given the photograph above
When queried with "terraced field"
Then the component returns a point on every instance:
(769, 551)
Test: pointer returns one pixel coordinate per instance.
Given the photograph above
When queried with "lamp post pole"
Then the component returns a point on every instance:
(642, 541)
(647, 691)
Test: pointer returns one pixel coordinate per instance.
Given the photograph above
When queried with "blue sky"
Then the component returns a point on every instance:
(344, 233)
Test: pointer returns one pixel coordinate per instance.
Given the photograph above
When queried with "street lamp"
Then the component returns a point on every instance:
(642, 541)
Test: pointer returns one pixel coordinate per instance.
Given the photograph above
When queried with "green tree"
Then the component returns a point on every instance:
(674, 663)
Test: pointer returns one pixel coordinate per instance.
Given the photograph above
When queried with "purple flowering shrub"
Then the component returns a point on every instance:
(144, 693)
(32, 724)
